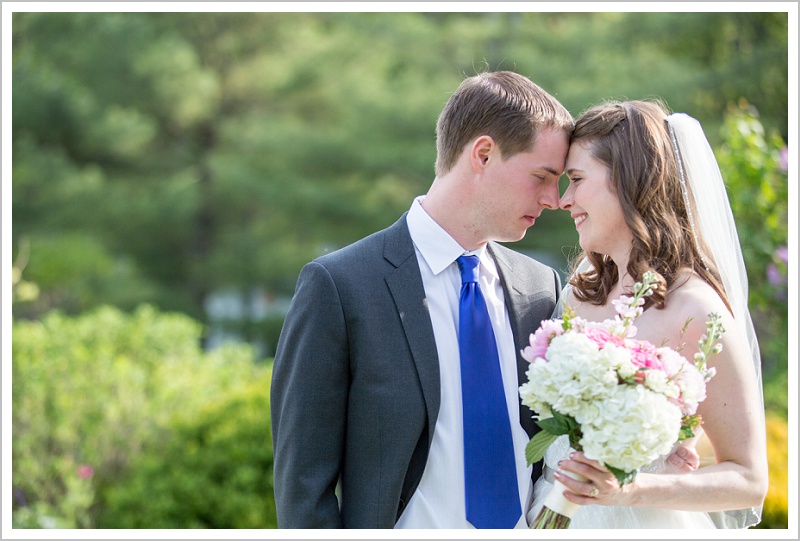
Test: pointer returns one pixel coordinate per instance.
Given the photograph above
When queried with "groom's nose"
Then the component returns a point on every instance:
(549, 197)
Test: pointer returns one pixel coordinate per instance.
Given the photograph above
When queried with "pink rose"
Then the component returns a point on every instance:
(540, 340)
(85, 472)
(644, 354)
(601, 337)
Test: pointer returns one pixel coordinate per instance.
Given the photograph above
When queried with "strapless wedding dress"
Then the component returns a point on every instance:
(601, 516)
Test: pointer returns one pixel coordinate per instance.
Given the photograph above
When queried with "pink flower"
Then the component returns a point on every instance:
(85, 472)
(601, 337)
(774, 275)
(782, 253)
(626, 308)
(644, 354)
(540, 340)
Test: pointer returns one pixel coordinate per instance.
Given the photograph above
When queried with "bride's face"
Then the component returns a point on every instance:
(593, 204)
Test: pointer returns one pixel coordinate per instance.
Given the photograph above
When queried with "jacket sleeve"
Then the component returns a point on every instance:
(308, 399)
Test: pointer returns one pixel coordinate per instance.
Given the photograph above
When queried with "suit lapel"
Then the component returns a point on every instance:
(405, 285)
(515, 297)
(517, 300)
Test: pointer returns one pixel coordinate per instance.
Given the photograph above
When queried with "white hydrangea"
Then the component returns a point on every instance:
(575, 373)
(659, 382)
(529, 392)
(634, 427)
(617, 359)
(588, 412)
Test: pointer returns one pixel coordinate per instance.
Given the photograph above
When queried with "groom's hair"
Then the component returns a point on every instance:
(632, 139)
(506, 106)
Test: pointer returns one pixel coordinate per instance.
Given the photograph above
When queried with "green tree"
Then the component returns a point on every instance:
(161, 157)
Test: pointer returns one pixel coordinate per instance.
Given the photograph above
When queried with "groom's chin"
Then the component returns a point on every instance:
(512, 237)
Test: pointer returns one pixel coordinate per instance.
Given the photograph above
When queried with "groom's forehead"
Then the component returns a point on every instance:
(551, 147)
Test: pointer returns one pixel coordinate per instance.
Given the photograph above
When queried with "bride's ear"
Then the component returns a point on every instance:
(481, 150)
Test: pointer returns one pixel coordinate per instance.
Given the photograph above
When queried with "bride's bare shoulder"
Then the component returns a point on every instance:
(691, 296)
(690, 303)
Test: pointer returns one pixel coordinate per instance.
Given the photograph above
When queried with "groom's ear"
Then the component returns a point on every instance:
(481, 150)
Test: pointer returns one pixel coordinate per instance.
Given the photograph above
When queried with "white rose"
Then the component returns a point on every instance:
(692, 387)
(672, 360)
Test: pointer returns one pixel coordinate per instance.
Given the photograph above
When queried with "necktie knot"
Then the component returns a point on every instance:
(468, 265)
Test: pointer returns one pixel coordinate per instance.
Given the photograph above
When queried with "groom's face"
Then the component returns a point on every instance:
(521, 186)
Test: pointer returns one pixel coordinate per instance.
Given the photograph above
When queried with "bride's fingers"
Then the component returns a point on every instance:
(598, 485)
(574, 485)
(579, 492)
(578, 456)
(684, 459)
(587, 468)
(587, 493)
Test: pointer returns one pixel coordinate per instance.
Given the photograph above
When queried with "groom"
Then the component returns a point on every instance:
(366, 392)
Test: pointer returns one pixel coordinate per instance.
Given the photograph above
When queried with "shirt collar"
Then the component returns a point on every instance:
(439, 249)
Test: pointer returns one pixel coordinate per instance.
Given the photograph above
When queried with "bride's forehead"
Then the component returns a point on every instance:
(581, 158)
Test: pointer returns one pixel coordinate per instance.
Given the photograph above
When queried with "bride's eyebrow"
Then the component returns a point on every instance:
(572, 171)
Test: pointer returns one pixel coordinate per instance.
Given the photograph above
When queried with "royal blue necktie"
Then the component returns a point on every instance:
(492, 496)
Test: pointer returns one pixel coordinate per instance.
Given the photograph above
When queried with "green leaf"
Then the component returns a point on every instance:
(558, 424)
(622, 476)
(686, 433)
(535, 449)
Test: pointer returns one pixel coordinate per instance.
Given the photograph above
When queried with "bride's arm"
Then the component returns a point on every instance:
(732, 417)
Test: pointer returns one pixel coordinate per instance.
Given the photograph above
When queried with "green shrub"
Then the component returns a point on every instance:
(213, 469)
(754, 164)
(98, 395)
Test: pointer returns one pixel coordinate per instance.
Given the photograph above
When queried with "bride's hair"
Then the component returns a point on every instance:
(632, 139)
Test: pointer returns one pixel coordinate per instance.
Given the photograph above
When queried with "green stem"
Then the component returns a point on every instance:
(547, 519)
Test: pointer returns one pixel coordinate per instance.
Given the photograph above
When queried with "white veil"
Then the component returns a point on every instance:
(712, 220)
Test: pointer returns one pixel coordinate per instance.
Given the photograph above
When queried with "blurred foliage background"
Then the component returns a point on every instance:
(172, 172)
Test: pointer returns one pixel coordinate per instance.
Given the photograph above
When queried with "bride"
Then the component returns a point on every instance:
(646, 194)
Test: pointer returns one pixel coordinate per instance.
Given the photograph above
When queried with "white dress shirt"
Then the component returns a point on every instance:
(439, 499)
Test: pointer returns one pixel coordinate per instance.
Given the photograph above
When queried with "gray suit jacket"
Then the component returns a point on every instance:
(355, 385)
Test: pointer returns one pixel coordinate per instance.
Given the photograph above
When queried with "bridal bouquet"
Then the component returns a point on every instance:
(622, 401)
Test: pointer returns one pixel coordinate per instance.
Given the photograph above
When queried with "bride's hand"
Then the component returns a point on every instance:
(600, 487)
(684, 459)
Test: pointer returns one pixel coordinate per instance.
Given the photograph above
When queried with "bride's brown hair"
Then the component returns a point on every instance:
(632, 139)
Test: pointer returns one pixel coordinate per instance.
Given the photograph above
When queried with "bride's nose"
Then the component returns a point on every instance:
(566, 200)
